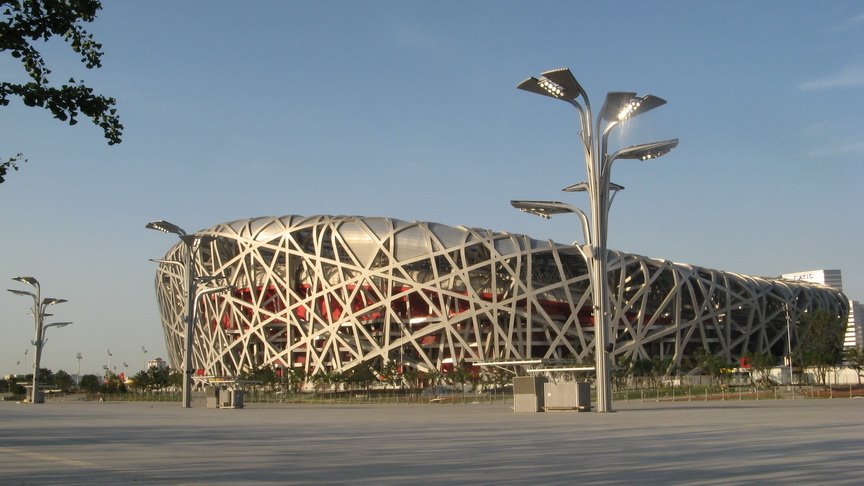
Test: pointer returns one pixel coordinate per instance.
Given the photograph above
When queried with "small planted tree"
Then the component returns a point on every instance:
(89, 383)
(854, 358)
(711, 364)
(63, 381)
(391, 375)
(820, 338)
(621, 372)
(321, 380)
(643, 369)
(761, 365)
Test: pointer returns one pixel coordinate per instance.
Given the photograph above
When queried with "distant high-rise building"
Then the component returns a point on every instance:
(834, 279)
(157, 363)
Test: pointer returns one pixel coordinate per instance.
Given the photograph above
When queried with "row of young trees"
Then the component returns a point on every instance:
(153, 379)
(364, 378)
(60, 381)
(820, 338)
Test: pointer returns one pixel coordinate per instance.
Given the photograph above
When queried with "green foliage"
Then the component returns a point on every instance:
(338, 379)
(854, 359)
(89, 383)
(63, 381)
(26, 22)
(154, 378)
(621, 371)
(760, 365)
(711, 364)
(390, 374)
(321, 380)
(175, 378)
(111, 383)
(12, 386)
(294, 378)
(412, 378)
(820, 341)
(499, 377)
(45, 376)
(11, 163)
(362, 376)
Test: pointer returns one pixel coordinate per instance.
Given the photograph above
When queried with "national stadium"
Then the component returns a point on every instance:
(334, 293)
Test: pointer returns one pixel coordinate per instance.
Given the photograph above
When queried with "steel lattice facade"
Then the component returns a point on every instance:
(336, 292)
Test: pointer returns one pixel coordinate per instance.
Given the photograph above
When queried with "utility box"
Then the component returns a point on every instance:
(567, 395)
(225, 399)
(528, 393)
(212, 393)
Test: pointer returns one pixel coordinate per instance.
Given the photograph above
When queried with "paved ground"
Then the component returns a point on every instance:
(787, 441)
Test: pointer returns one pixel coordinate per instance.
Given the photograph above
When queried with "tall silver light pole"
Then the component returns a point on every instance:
(618, 107)
(789, 341)
(39, 306)
(192, 243)
(78, 372)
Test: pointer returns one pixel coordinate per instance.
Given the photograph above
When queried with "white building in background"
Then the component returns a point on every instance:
(834, 279)
(157, 363)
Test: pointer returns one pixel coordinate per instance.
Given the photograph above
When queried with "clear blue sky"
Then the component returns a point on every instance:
(409, 110)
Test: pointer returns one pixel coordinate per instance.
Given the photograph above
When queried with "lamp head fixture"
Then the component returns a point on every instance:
(638, 105)
(22, 292)
(28, 280)
(646, 151)
(544, 209)
(165, 227)
(557, 83)
(57, 324)
(52, 300)
(583, 187)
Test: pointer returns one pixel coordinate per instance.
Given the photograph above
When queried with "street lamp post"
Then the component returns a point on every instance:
(39, 306)
(789, 341)
(78, 372)
(618, 107)
(192, 243)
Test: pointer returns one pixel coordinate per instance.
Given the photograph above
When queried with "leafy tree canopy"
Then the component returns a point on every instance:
(820, 336)
(90, 383)
(26, 22)
(855, 359)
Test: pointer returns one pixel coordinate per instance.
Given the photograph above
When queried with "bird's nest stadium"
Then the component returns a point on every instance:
(332, 293)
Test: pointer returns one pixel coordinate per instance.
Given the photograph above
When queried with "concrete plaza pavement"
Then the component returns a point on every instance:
(746, 442)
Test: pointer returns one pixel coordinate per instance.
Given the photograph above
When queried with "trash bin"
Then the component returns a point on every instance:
(583, 396)
(237, 398)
